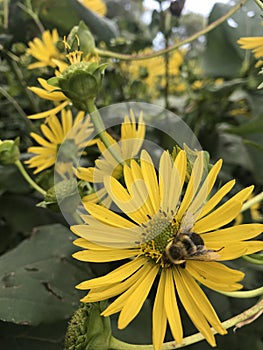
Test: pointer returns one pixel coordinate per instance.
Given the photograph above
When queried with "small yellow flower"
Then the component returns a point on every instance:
(73, 132)
(97, 6)
(152, 71)
(54, 92)
(171, 232)
(131, 140)
(45, 50)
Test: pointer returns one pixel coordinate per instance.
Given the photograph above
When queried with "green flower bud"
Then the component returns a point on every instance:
(64, 194)
(80, 82)
(87, 330)
(80, 38)
(9, 151)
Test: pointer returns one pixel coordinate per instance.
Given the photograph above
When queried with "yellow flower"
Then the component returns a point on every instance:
(97, 6)
(45, 50)
(130, 143)
(152, 71)
(48, 92)
(180, 238)
(74, 134)
(255, 214)
(253, 43)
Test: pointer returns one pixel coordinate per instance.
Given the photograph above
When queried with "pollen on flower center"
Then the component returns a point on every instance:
(157, 233)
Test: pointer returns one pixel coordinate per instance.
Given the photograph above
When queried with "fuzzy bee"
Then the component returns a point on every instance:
(188, 246)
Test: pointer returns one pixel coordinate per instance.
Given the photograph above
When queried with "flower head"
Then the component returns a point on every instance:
(131, 140)
(45, 50)
(72, 134)
(172, 230)
(152, 71)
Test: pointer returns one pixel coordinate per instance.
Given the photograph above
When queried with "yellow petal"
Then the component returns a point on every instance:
(216, 198)
(219, 217)
(106, 235)
(205, 189)
(101, 256)
(235, 233)
(192, 186)
(178, 176)
(171, 307)
(150, 178)
(159, 321)
(192, 308)
(133, 179)
(135, 301)
(49, 112)
(165, 172)
(202, 302)
(237, 249)
(119, 303)
(215, 275)
(129, 204)
(83, 243)
(116, 276)
(102, 293)
(107, 216)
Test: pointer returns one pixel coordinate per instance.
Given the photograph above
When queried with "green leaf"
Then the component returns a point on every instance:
(254, 126)
(42, 337)
(223, 56)
(102, 27)
(65, 14)
(38, 278)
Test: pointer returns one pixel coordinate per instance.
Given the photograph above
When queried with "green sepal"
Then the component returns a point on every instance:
(88, 330)
(80, 38)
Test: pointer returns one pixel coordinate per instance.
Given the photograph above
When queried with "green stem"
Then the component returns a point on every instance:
(258, 198)
(6, 13)
(244, 294)
(245, 317)
(213, 25)
(101, 130)
(29, 10)
(253, 260)
(17, 107)
(13, 63)
(28, 178)
(260, 4)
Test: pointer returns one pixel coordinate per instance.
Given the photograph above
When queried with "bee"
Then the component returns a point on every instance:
(188, 246)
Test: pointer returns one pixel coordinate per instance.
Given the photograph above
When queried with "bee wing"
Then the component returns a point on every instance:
(204, 256)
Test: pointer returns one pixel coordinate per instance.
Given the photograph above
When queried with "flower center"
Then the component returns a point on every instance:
(157, 233)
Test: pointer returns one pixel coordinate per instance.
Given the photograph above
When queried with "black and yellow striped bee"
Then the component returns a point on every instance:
(188, 246)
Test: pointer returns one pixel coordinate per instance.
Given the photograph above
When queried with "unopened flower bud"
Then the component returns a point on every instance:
(9, 151)
(80, 82)
(88, 330)
(64, 194)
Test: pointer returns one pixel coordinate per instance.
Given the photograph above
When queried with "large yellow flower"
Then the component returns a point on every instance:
(97, 6)
(45, 50)
(73, 132)
(171, 232)
(131, 140)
